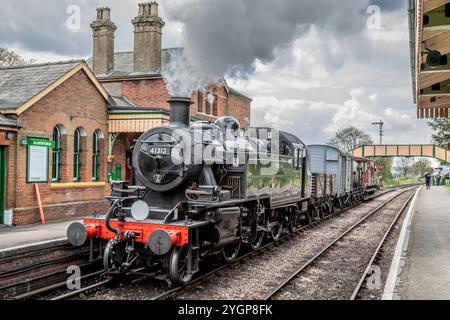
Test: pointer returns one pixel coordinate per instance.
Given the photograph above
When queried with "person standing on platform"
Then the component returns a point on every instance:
(447, 179)
(428, 180)
(438, 179)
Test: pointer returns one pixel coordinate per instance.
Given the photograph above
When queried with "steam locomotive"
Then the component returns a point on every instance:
(208, 188)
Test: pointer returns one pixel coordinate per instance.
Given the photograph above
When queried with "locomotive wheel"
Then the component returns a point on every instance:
(231, 252)
(293, 226)
(276, 232)
(256, 244)
(330, 208)
(178, 266)
(316, 214)
(113, 257)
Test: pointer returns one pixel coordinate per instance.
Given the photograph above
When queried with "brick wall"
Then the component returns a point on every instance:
(74, 104)
(153, 93)
(239, 107)
(147, 93)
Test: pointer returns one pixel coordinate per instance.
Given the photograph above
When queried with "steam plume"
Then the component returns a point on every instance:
(227, 38)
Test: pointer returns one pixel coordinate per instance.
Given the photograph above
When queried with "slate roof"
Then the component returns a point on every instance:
(20, 84)
(7, 121)
(239, 94)
(122, 102)
(124, 63)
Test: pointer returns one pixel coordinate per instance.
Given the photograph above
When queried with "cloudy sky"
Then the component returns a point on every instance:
(312, 67)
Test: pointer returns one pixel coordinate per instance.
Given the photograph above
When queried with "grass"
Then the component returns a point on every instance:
(401, 182)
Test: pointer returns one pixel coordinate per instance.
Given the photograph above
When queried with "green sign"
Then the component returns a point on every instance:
(38, 142)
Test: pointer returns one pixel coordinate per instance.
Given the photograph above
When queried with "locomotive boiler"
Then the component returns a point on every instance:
(203, 189)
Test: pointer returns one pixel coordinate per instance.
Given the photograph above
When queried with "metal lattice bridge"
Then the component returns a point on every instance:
(429, 151)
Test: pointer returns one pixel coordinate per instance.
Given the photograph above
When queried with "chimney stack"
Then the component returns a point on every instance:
(147, 38)
(103, 33)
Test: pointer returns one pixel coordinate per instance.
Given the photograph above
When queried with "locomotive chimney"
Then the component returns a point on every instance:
(180, 112)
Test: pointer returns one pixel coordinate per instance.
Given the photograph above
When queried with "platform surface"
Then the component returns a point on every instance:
(426, 273)
(11, 237)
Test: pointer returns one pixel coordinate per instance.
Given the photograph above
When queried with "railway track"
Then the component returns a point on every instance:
(276, 291)
(378, 250)
(30, 268)
(173, 293)
(97, 280)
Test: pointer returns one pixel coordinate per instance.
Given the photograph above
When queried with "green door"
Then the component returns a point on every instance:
(2, 183)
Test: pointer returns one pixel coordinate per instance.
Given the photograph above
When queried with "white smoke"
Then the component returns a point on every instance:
(226, 38)
(210, 97)
(183, 77)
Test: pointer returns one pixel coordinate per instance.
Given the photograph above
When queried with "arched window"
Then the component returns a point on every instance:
(200, 100)
(208, 101)
(57, 150)
(95, 156)
(77, 155)
(215, 103)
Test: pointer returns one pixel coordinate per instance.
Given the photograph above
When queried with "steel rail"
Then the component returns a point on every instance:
(294, 274)
(54, 286)
(377, 250)
(79, 291)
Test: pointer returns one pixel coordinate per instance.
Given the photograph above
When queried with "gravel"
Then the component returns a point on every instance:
(143, 289)
(336, 274)
(374, 289)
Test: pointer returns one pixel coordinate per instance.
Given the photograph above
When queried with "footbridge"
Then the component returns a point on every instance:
(425, 150)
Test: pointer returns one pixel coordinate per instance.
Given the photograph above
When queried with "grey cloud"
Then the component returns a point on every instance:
(390, 5)
(40, 26)
(224, 36)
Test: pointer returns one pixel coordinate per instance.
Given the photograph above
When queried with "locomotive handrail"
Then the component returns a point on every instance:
(171, 213)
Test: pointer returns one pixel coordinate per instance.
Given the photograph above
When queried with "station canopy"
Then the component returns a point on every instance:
(429, 22)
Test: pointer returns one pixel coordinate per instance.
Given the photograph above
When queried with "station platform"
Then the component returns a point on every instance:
(424, 268)
(23, 236)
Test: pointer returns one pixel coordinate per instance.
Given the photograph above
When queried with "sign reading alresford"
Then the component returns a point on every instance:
(37, 159)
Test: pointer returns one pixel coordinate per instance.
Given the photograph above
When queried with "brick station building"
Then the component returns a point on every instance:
(62, 103)
(67, 128)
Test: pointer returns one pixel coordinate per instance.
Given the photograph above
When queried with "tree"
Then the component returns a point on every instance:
(421, 166)
(11, 59)
(386, 168)
(441, 136)
(350, 138)
(404, 166)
